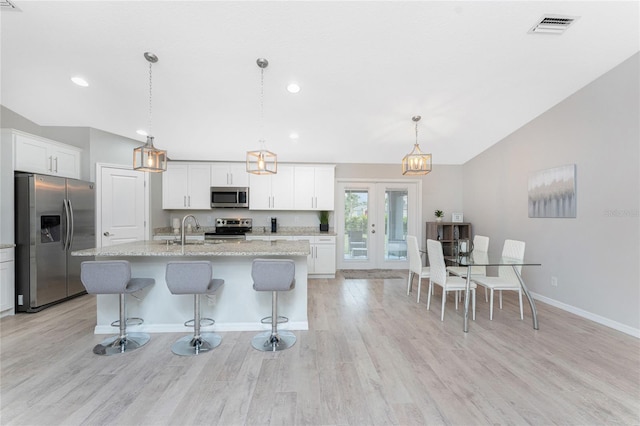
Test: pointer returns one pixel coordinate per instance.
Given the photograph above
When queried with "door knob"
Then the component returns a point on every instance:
(107, 234)
(373, 232)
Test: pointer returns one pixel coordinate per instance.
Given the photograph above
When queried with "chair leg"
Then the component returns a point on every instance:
(500, 298)
(457, 296)
(520, 297)
(429, 293)
(124, 342)
(409, 282)
(473, 302)
(491, 306)
(486, 298)
(444, 299)
(419, 287)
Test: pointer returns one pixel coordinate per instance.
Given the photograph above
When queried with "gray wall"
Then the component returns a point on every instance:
(596, 255)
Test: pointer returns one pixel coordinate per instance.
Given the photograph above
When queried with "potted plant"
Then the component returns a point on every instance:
(439, 215)
(324, 220)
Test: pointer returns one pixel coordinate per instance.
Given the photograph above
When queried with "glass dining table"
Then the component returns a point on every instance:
(478, 258)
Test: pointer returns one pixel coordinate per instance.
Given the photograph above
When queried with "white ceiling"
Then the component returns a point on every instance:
(470, 69)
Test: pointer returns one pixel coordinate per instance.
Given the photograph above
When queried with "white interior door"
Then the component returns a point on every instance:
(373, 220)
(122, 205)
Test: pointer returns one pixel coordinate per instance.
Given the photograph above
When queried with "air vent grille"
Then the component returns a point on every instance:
(6, 5)
(553, 24)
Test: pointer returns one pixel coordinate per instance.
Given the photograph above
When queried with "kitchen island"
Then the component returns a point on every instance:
(235, 306)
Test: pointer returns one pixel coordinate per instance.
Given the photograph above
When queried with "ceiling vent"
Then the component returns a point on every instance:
(553, 24)
(6, 6)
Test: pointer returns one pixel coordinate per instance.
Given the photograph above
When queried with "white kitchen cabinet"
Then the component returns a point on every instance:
(186, 186)
(7, 282)
(322, 259)
(229, 174)
(314, 187)
(39, 155)
(272, 192)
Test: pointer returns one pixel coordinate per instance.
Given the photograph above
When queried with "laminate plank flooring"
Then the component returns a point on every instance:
(371, 356)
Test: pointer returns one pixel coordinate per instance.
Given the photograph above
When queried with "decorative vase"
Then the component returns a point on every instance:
(324, 227)
(438, 219)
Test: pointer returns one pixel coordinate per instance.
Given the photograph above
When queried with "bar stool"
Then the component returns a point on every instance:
(114, 277)
(273, 275)
(194, 277)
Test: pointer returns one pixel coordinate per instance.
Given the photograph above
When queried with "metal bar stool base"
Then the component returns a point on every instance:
(189, 346)
(268, 342)
(116, 345)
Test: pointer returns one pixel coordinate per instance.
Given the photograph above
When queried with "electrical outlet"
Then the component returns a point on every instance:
(554, 282)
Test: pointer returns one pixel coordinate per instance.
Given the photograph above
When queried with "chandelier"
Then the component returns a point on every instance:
(416, 162)
(261, 161)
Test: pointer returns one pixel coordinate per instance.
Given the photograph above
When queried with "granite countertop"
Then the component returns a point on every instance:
(6, 246)
(235, 248)
(288, 231)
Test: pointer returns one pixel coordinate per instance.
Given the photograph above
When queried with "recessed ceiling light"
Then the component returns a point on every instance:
(80, 81)
(293, 88)
(294, 136)
(142, 132)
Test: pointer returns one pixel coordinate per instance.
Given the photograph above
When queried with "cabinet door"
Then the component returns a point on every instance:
(32, 155)
(304, 191)
(238, 174)
(282, 189)
(7, 281)
(324, 184)
(325, 259)
(175, 186)
(260, 192)
(199, 190)
(220, 175)
(65, 162)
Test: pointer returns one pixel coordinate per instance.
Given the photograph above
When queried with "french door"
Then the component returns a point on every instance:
(373, 220)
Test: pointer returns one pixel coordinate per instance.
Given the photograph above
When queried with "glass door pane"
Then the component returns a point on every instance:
(356, 223)
(395, 226)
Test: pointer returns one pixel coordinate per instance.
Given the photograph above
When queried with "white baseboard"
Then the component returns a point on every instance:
(635, 332)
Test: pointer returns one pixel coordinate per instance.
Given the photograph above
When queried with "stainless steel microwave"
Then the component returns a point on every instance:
(229, 197)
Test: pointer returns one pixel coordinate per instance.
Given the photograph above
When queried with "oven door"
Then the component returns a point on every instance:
(229, 197)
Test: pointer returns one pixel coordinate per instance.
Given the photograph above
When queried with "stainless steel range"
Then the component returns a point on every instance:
(230, 229)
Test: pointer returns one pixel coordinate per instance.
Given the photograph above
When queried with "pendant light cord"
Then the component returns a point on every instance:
(262, 108)
(150, 96)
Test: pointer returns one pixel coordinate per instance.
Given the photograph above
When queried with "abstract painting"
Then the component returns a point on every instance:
(552, 192)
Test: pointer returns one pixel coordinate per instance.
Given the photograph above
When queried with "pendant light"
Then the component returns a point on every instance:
(148, 158)
(262, 162)
(416, 162)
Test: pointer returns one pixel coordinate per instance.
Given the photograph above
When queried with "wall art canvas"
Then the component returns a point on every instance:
(552, 192)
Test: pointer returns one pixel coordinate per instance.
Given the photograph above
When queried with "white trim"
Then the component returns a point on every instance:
(635, 332)
(180, 328)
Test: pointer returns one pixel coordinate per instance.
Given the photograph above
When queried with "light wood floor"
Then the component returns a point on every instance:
(372, 356)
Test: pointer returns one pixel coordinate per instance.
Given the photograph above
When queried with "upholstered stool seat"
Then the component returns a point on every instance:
(194, 277)
(114, 277)
(273, 275)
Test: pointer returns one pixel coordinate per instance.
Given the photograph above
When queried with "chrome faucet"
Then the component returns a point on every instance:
(184, 220)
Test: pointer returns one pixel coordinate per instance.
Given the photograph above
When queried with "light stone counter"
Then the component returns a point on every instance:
(234, 248)
(234, 307)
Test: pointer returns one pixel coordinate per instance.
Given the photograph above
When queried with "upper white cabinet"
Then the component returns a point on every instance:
(186, 186)
(272, 192)
(314, 187)
(229, 174)
(39, 155)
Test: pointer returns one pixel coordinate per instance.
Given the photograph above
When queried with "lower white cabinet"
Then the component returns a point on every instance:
(7, 282)
(322, 259)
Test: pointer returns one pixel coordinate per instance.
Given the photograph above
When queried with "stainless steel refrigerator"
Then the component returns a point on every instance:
(53, 217)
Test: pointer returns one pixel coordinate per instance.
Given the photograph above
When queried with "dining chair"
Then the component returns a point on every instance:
(415, 264)
(440, 277)
(507, 278)
(480, 244)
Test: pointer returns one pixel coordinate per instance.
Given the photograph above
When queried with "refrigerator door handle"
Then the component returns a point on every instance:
(67, 222)
(73, 225)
